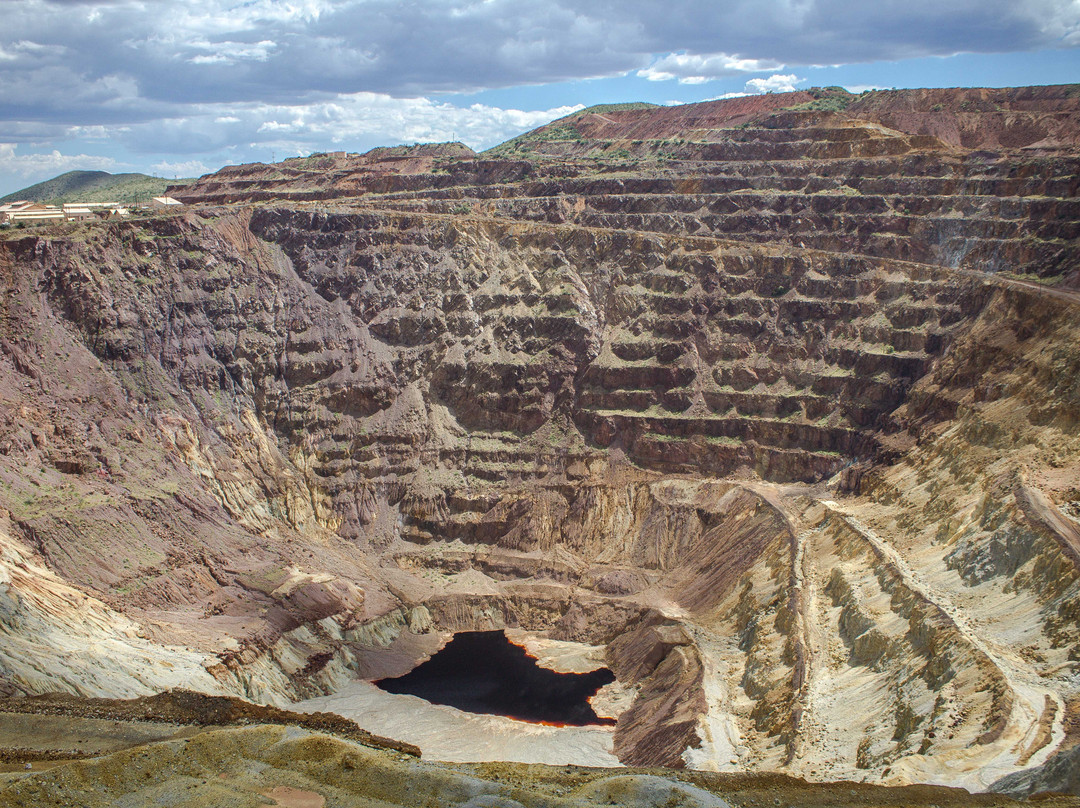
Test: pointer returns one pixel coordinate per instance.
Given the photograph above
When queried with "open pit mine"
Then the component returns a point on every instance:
(740, 439)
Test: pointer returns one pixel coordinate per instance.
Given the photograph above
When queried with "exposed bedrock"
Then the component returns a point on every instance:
(980, 178)
(780, 423)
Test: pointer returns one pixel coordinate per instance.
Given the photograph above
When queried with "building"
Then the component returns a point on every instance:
(103, 210)
(32, 216)
(36, 212)
(22, 206)
(29, 213)
(162, 202)
(77, 213)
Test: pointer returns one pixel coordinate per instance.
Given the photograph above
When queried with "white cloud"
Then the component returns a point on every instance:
(773, 84)
(227, 52)
(294, 51)
(356, 117)
(96, 132)
(43, 166)
(186, 168)
(275, 127)
(197, 79)
(700, 68)
(12, 51)
(725, 96)
(776, 83)
(217, 15)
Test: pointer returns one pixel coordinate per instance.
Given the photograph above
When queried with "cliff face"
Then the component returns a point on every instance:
(763, 397)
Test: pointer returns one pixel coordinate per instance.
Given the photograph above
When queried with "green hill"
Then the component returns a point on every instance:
(94, 186)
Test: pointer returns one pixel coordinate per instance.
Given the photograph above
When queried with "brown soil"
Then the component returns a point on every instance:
(183, 708)
(301, 769)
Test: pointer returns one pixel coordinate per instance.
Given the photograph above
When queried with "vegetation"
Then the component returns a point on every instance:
(563, 129)
(441, 150)
(826, 99)
(563, 132)
(95, 186)
(601, 109)
(559, 133)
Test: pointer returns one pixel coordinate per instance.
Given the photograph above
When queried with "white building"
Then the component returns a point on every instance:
(77, 213)
(33, 216)
(34, 212)
(30, 212)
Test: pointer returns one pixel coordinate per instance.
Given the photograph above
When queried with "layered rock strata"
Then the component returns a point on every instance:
(777, 414)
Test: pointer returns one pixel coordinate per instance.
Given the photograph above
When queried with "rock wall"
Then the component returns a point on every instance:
(780, 416)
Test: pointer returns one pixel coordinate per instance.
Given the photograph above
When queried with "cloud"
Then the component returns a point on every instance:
(725, 96)
(775, 83)
(217, 51)
(210, 135)
(227, 52)
(354, 121)
(220, 78)
(32, 132)
(95, 132)
(185, 168)
(697, 69)
(26, 51)
(43, 166)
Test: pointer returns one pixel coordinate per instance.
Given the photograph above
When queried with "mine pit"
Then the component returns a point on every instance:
(484, 672)
(773, 412)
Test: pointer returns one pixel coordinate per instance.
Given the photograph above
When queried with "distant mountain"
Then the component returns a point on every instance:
(94, 186)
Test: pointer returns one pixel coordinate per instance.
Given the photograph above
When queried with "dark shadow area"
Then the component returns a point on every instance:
(483, 672)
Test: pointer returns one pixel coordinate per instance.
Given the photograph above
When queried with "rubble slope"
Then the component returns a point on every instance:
(775, 401)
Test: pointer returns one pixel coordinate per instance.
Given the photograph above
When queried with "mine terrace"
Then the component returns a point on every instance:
(768, 406)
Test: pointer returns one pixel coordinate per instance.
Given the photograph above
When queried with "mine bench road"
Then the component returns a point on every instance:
(1069, 296)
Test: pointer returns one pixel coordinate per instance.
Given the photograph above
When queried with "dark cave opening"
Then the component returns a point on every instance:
(483, 672)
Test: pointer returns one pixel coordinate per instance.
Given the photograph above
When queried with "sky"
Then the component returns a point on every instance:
(183, 87)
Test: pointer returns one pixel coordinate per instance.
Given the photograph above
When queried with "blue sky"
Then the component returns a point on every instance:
(183, 88)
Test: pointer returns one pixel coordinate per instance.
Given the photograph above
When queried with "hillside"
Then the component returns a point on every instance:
(95, 186)
(563, 128)
(768, 405)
